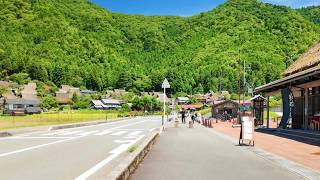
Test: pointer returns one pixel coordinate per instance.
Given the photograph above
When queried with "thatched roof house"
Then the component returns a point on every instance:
(300, 91)
(308, 60)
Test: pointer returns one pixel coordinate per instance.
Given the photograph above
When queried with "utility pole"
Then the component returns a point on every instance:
(239, 87)
(244, 80)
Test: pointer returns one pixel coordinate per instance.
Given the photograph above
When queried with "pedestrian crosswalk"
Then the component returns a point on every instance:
(129, 133)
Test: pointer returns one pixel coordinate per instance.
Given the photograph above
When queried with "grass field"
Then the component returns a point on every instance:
(10, 122)
(272, 115)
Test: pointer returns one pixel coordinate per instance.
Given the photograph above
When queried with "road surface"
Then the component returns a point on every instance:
(77, 153)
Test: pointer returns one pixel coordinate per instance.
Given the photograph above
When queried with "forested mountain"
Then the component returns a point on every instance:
(312, 13)
(76, 42)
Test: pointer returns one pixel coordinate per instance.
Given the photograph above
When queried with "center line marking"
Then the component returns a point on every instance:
(36, 147)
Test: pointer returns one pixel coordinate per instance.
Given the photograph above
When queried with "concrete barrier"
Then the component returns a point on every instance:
(51, 128)
(66, 126)
(127, 167)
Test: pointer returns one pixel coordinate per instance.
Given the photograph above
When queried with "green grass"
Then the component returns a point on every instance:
(132, 148)
(271, 115)
(204, 111)
(44, 119)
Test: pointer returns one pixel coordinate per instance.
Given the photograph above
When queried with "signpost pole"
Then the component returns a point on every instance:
(164, 105)
(165, 85)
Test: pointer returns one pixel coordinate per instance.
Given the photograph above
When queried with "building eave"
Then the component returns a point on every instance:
(292, 80)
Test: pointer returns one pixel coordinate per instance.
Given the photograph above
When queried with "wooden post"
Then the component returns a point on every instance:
(306, 101)
(268, 112)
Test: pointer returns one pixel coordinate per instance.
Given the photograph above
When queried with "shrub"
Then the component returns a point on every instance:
(49, 103)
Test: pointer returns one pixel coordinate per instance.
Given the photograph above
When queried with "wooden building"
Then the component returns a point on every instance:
(300, 91)
(220, 109)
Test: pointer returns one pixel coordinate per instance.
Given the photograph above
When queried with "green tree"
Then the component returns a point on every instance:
(20, 78)
(49, 103)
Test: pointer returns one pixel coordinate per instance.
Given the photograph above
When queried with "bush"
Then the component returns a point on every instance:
(234, 96)
(125, 108)
(20, 78)
(49, 103)
(81, 103)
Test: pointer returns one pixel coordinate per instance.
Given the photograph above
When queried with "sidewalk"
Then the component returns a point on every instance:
(201, 153)
(305, 154)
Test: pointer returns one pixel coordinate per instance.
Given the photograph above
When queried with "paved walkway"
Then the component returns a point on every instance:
(305, 154)
(201, 153)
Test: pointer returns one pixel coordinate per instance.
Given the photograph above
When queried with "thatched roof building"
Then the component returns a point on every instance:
(300, 91)
(308, 60)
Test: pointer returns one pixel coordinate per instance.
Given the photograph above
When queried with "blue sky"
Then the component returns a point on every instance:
(181, 7)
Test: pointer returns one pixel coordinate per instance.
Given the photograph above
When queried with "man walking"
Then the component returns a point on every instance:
(183, 117)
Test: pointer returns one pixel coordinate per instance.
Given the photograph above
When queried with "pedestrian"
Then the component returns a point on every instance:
(193, 117)
(183, 117)
(187, 119)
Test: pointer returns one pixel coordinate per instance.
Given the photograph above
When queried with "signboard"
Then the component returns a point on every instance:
(247, 129)
(165, 84)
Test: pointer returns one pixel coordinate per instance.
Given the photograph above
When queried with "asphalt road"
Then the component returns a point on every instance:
(77, 153)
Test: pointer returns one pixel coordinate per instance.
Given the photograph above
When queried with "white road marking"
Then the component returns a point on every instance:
(152, 129)
(87, 133)
(41, 137)
(36, 147)
(118, 133)
(104, 132)
(130, 137)
(122, 141)
(114, 153)
(70, 133)
(61, 141)
(135, 133)
(54, 133)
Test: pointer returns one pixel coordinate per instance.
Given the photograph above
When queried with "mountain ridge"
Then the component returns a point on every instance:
(79, 43)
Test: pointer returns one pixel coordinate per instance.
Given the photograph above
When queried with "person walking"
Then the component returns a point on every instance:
(183, 117)
(193, 117)
(187, 119)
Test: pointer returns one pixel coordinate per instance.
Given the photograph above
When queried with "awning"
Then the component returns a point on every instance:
(293, 80)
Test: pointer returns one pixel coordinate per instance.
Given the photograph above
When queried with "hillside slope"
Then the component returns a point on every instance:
(79, 43)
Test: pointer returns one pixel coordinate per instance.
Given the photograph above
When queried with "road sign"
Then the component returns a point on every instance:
(165, 84)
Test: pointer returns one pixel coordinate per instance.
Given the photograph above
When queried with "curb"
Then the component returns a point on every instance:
(5, 134)
(64, 126)
(127, 167)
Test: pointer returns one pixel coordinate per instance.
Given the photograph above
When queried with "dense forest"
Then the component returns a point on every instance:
(79, 43)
